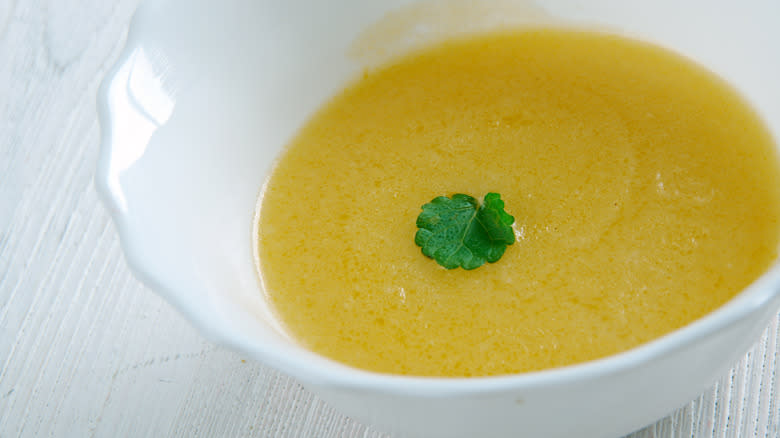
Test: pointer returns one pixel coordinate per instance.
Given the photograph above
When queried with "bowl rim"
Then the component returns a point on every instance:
(297, 361)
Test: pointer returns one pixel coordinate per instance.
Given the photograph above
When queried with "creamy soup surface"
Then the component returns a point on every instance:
(645, 192)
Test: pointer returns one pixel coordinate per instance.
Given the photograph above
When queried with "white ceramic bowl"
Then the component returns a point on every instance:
(207, 93)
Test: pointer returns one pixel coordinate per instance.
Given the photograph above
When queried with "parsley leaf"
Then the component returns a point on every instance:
(459, 232)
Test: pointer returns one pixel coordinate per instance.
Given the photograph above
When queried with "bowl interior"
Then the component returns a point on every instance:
(208, 93)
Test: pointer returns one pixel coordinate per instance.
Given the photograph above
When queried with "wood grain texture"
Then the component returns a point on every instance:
(85, 350)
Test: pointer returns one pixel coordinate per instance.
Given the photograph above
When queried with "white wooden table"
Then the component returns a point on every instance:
(86, 350)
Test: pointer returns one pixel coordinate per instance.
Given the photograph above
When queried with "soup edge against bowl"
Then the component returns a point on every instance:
(397, 51)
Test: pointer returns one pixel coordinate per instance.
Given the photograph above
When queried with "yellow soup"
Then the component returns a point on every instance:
(645, 192)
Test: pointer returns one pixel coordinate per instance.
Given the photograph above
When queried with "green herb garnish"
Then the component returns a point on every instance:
(458, 231)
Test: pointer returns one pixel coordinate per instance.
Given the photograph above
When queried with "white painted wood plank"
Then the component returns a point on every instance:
(85, 350)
